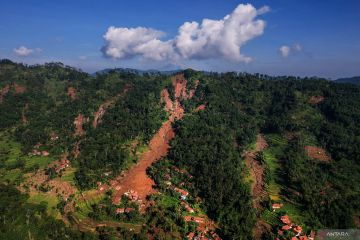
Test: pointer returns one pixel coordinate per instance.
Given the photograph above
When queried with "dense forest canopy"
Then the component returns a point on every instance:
(101, 124)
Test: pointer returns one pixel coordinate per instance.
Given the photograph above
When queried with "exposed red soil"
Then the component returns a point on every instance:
(316, 99)
(165, 98)
(71, 92)
(102, 109)
(317, 153)
(200, 108)
(19, 89)
(23, 113)
(78, 122)
(179, 83)
(3, 92)
(256, 171)
(136, 178)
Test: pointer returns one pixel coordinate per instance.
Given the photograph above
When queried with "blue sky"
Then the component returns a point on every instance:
(319, 37)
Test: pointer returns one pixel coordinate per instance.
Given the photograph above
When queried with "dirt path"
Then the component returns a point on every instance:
(256, 170)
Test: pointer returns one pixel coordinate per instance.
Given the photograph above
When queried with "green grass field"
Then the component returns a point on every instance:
(83, 208)
(51, 201)
(275, 150)
(69, 175)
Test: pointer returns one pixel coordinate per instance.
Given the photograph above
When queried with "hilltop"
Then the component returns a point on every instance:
(354, 80)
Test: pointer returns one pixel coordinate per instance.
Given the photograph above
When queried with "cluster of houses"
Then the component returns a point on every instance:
(54, 136)
(63, 163)
(133, 197)
(296, 229)
(204, 229)
(124, 210)
(36, 152)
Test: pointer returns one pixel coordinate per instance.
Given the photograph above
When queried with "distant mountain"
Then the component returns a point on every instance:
(353, 80)
(137, 71)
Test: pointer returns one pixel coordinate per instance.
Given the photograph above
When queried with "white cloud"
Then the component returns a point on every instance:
(284, 51)
(206, 40)
(264, 10)
(297, 47)
(23, 51)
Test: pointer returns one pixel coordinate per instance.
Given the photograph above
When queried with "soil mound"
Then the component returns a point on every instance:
(71, 92)
(3, 92)
(78, 122)
(316, 99)
(317, 153)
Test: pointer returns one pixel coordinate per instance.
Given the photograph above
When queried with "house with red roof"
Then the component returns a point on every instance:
(286, 220)
(276, 206)
(182, 192)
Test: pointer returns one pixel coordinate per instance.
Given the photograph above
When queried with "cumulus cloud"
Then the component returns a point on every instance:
(284, 51)
(297, 47)
(23, 51)
(206, 40)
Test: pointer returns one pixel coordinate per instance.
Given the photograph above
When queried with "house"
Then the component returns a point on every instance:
(297, 230)
(199, 219)
(191, 235)
(64, 163)
(124, 210)
(132, 195)
(45, 153)
(194, 219)
(312, 235)
(127, 210)
(187, 207)
(286, 227)
(215, 236)
(276, 206)
(286, 220)
(183, 193)
(120, 210)
(117, 199)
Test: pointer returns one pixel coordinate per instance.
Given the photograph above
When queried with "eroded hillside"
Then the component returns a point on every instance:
(193, 155)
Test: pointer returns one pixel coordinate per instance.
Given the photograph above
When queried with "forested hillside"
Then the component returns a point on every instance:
(228, 156)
